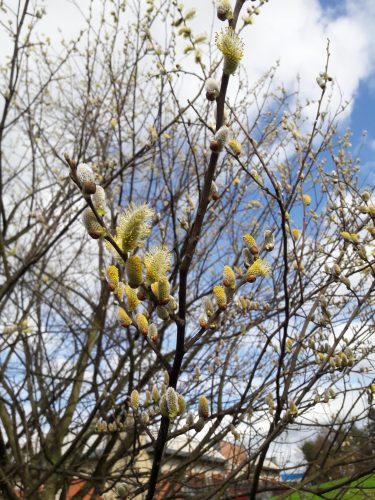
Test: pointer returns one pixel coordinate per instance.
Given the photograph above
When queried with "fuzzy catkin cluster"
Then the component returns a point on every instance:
(172, 404)
(232, 47)
(223, 294)
(85, 178)
(145, 282)
(255, 265)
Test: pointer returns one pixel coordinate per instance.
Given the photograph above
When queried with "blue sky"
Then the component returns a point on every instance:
(293, 32)
(362, 115)
(362, 118)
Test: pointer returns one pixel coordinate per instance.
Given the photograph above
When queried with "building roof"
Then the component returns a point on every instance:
(268, 464)
(184, 446)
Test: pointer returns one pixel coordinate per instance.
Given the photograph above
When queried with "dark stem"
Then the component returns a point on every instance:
(187, 254)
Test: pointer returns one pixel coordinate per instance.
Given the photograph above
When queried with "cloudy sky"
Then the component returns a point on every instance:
(295, 33)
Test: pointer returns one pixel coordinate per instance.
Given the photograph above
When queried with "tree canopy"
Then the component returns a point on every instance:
(187, 257)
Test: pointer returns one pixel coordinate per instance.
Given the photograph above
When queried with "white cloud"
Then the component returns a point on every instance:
(296, 33)
(292, 32)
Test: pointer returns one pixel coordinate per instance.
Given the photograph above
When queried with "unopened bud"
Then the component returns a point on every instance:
(208, 306)
(220, 139)
(224, 10)
(199, 425)
(214, 192)
(203, 321)
(98, 199)
(229, 278)
(164, 406)
(269, 240)
(153, 332)
(366, 195)
(212, 89)
(86, 177)
(94, 228)
(162, 312)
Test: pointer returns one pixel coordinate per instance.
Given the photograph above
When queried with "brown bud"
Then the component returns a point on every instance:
(203, 322)
(89, 187)
(141, 294)
(254, 250)
(251, 278)
(215, 146)
(211, 95)
(95, 235)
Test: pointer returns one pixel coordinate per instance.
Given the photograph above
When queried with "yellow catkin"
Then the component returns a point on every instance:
(172, 402)
(306, 199)
(345, 235)
(113, 277)
(293, 409)
(235, 146)
(164, 406)
(354, 237)
(134, 399)
(155, 393)
(155, 288)
(258, 268)
(220, 297)
(157, 263)
(249, 241)
(298, 266)
(181, 404)
(147, 400)
(203, 407)
(124, 318)
(232, 48)
(295, 233)
(142, 323)
(132, 297)
(134, 227)
(229, 278)
(120, 289)
(134, 271)
(163, 291)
